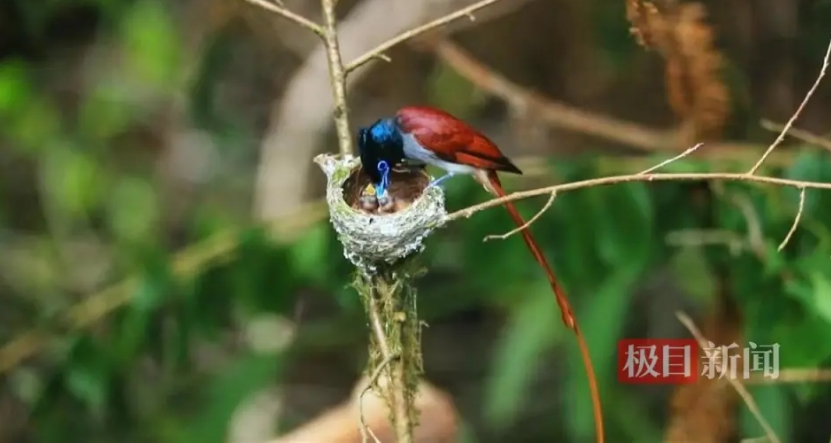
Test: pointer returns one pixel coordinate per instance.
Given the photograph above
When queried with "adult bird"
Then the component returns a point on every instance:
(426, 135)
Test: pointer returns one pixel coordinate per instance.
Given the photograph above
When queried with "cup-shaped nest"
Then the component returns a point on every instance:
(374, 234)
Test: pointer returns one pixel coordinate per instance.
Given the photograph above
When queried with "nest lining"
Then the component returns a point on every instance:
(372, 236)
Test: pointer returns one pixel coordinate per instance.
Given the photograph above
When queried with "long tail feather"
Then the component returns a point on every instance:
(562, 301)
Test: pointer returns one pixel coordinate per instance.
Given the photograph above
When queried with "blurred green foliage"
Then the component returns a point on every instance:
(135, 375)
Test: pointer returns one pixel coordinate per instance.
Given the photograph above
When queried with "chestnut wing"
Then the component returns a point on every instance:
(452, 140)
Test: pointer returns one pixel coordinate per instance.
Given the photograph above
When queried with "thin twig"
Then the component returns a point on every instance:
(617, 179)
(795, 115)
(526, 224)
(378, 51)
(337, 76)
(740, 389)
(795, 220)
(799, 134)
(372, 380)
(279, 9)
(671, 160)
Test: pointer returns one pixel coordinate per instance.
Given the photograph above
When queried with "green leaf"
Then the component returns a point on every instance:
(15, 86)
(73, 178)
(133, 210)
(496, 265)
(574, 242)
(87, 374)
(155, 284)
(624, 224)
(774, 406)
(104, 114)
(811, 165)
(37, 126)
(152, 42)
(822, 295)
(601, 322)
(692, 272)
(310, 252)
(453, 92)
(532, 329)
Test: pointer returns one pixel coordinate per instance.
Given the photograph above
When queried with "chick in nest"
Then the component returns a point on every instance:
(406, 184)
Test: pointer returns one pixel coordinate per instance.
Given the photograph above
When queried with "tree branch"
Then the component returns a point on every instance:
(799, 134)
(561, 115)
(300, 20)
(378, 51)
(605, 181)
(796, 114)
(337, 77)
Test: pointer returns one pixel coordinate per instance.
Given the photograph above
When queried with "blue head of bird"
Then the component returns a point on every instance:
(381, 147)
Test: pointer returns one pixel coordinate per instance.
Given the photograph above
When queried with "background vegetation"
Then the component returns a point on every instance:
(153, 289)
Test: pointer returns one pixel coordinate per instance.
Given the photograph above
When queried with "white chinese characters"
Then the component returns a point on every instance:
(719, 362)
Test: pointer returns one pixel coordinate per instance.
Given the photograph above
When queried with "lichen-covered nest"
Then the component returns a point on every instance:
(373, 235)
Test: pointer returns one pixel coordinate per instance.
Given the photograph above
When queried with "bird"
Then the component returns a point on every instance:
(379, 151)
(424, 135)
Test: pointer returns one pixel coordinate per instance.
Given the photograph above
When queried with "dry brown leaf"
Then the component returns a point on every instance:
(695, 90)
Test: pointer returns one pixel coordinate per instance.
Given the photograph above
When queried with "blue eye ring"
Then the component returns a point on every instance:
(383, 166)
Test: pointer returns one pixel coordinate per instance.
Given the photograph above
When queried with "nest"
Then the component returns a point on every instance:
(373, 234)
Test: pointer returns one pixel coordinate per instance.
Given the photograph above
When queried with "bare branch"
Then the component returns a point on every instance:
(564, 116)
(337, 76)
(740, 389)
(795, 115)
(799, 134)
(795, 220)
(605, 181)
(378, 51)
(527, 224)
(279, 9)
(671, 160)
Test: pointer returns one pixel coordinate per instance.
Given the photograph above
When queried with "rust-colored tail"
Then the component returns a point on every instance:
(562, 301)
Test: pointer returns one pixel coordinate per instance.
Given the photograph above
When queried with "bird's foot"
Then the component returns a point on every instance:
(441, 179)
